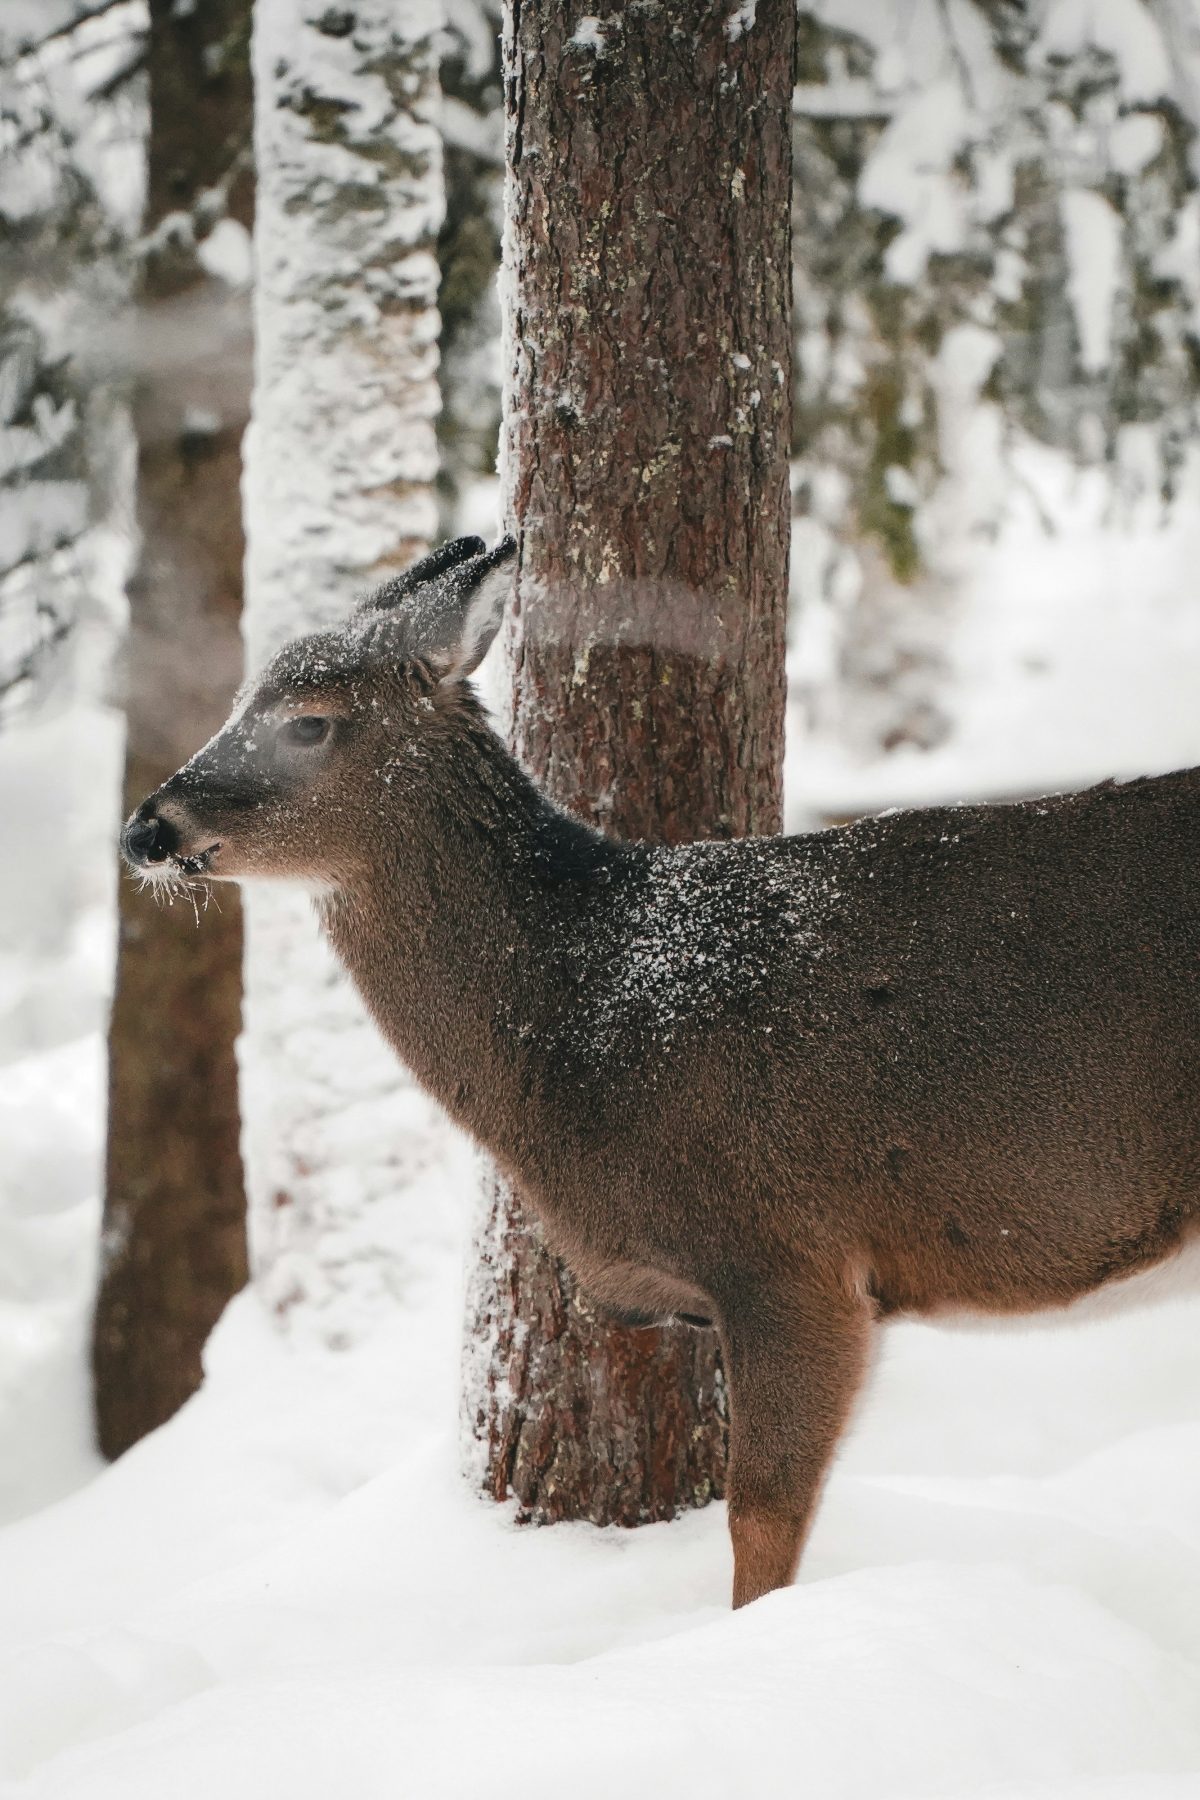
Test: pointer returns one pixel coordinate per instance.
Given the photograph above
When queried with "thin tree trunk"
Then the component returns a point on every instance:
(469, 256)
(174, 1226)
(341, 462)
(646, 457)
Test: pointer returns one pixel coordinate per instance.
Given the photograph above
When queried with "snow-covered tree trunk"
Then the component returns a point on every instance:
(997, 243)
(646, 477)
(174, 1227)
(340, 465)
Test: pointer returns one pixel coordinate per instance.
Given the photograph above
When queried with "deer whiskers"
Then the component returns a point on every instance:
(174, 880)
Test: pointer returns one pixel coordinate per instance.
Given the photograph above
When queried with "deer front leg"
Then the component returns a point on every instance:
(793, 1375)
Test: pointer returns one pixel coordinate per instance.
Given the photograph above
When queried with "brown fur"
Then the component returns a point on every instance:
(939, 1061)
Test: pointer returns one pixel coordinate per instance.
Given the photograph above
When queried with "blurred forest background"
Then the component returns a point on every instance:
(995, 443)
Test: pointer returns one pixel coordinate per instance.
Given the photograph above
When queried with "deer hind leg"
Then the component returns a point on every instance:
(793, 1375)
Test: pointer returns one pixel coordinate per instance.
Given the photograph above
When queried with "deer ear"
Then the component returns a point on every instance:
(447, 556)
(483, 587)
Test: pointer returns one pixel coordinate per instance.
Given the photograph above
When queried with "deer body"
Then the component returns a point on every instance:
(941, 1062)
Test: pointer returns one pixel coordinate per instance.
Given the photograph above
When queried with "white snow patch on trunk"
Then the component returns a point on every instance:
(741, 20)
(589, 35)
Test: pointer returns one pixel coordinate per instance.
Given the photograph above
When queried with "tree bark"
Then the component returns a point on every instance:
(174, 1225)
(648, 296)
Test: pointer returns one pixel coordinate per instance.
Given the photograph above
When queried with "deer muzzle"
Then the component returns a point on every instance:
(148, 838)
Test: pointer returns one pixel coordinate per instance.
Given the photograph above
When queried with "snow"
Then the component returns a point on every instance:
(227, 253)
(1134, 141)
(1125, 30)
(1093, 244)
(59, 787)
(741, 20)
(288, 1589)
(653, 971)
(909, 175)
(479, 134)
(589, 35)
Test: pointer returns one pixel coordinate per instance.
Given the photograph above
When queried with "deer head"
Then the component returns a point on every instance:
(293, 784)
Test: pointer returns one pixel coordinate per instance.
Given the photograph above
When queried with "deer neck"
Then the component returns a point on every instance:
(460, 934)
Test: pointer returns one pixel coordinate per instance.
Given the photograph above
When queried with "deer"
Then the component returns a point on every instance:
(940, 1063)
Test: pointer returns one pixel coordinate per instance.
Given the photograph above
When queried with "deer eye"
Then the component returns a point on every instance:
(306, 731)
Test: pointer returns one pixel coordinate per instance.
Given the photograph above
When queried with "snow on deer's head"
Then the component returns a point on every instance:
(322, 746)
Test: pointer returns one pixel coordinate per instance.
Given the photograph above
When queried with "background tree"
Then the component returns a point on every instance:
(472, 129)
(646, 477)
(174, 1222)
(341, 462)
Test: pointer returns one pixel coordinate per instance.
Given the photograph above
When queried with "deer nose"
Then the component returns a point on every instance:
(147, 838)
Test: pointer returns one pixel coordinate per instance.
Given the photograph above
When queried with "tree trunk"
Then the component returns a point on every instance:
(646, 463)
(174, 1226)
(341, 462)
(472, 126)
